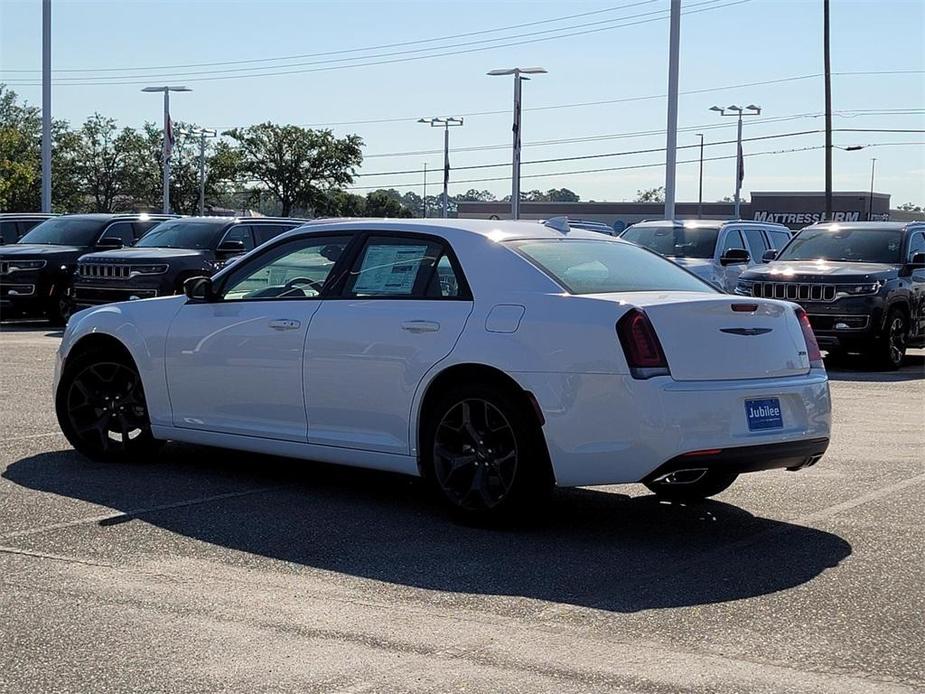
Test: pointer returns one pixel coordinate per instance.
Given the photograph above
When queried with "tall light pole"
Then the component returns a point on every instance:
(168, 137)
(446, 124)
(671, 146)
(738, 112)
(827, 69)
(700, 188)
(515, 174)
(46, 105)
(203, 134)
(870, 200)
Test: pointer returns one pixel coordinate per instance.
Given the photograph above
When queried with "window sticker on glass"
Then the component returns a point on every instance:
(389, 269)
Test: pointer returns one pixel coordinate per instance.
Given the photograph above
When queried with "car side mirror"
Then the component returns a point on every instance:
(769, 255)
(198, 289)
(230, 247)
(734, 256)
(917, 261)
(110, 243)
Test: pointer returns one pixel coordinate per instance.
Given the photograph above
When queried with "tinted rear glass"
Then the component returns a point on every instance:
(65, 231)
(674, 242)
(182, 233)
(849, 244)
(595, 267)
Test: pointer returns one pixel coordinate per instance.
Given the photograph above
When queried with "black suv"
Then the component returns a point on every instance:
(862, 284)
(36, 272)
(164, 259)
(15, 225)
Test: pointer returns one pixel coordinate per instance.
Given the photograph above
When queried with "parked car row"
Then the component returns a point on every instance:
(69, 262)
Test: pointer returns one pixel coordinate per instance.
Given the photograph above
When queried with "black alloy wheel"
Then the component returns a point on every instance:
(102, 411)
(485, 453)
(61, 309)
(891, 350)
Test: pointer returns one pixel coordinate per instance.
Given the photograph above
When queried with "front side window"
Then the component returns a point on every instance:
(393, 267)
(122, 231)
(847, 244)
(297, 269)
(916, 245)
(597, 267)
(242, 233)
(675, 242)
(65, 231)
(733, 241)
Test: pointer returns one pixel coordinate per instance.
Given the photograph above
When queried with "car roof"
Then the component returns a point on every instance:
(219, 220)
(491, 229)
(704, 223)
(874, 226)
(27, 215)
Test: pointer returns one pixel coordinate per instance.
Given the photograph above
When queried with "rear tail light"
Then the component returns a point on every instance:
(812, 347)
(643, 352)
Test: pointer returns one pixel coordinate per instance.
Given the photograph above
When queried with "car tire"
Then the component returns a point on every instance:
(712, 483)
(889, 350)
(102, 411)
(484, 454)
(60, 310)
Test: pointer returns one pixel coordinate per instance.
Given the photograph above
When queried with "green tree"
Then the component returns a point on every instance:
(910, 207)
(651, 195)
(298, 166)
(100, 163)
(382, 203)
(473, 195)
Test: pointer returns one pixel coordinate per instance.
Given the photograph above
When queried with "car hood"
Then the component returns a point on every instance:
(142, 255)
(37, 250)
(820, 271)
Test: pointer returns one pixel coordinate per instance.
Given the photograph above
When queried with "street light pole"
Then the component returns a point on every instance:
(424, 196)
(46, 105)
(168, 136)
(828, 109)
(203, 134)
(700, 187)
(671, 146)
(738, 112)
(517, 72)
(870, 199)
(446, 124)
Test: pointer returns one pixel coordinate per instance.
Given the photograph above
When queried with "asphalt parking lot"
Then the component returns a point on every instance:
(218, 571)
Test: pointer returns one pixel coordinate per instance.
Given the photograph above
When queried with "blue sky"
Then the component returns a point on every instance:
(727, 43)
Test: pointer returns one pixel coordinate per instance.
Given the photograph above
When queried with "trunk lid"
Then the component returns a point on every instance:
(704, 338)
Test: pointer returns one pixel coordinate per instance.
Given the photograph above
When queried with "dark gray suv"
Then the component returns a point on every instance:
(862, 284)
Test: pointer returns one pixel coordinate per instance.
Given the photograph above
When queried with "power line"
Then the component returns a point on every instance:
(131, 80)
(481, 32)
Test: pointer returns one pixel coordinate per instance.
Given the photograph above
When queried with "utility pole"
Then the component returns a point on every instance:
(203, 134)
(424, 196)
(168, 137)
(738, 111)
(828, 110)
(518, 73)
(700, 188)
(46, 105)
(870, 200)
(446, 124)
(671, 147)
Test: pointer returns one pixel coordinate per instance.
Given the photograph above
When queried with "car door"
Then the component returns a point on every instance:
(917, 283)
(234, 365)
(729, 239)
(399, 311)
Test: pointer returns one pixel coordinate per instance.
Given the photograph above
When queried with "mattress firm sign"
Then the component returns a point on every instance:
(804, 217)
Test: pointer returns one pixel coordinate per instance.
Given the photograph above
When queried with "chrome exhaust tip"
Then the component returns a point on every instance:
(686, 476)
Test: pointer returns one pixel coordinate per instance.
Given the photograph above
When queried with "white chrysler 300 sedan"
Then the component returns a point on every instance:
(496, 359)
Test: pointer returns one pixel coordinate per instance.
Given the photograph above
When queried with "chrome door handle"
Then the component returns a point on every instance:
(285, 324)
(420, 326)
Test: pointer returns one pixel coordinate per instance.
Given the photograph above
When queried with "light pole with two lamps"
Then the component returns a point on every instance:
(738, 112)
(446, 124)
(167, 137)
(518, 73)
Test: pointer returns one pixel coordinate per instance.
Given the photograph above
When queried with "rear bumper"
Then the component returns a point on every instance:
(611, 429)
(792, 455)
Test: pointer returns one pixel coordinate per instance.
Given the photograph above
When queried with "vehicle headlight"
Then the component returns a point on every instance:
(859, 289)
(17, 265)
(149, 269)
(744, 287)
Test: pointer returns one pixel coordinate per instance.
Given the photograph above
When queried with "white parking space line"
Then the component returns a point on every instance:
(135, 513)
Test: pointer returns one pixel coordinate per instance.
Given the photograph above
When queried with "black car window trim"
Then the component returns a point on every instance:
(464, 293)
(241, 268)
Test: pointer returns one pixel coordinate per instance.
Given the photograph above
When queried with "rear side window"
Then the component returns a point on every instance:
(265, 232)
(598, 267)
(756, 241)
(393, 267)
(779, 239)
(142, 228)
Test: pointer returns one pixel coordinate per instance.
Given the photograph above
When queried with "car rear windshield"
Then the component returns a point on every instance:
(183, 233)
(596, 267)
(64, 231)
(675, 242)
(849, 244)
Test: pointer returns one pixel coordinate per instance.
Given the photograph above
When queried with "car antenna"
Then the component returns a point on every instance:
(560, 224)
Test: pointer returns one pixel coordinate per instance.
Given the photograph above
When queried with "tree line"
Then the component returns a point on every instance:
(284, 170)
